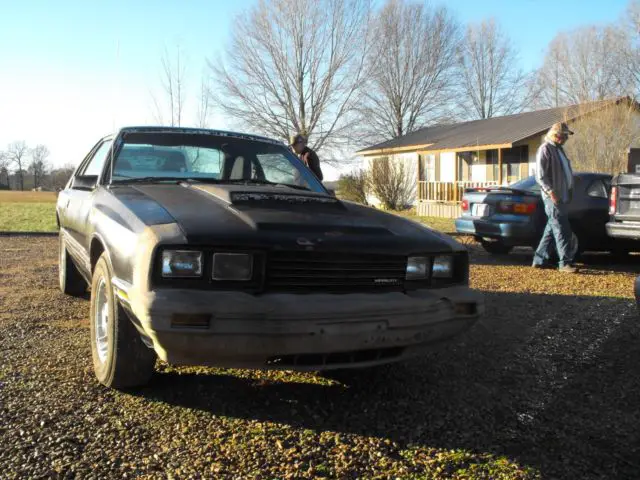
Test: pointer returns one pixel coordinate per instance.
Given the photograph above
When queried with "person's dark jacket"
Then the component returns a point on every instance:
(549, 172)
(311, 160)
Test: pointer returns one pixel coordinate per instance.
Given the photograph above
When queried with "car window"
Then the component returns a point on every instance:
(220, 158)
(528, 183)
(597, 189)
(95, 165)
(136, 160)
(277, 168)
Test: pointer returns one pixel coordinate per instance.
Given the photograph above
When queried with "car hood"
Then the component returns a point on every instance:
(279, 217)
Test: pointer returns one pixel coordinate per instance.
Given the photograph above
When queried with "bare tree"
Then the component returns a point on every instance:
(295, 66)
(491, 82)
(17, 152)
(585, 65)
(204, 103)
(392, 182)
(60, 176)
(602, 138)
(4, 169)
(39, 165)
(170, 101)
(410, 66)
(631, 54)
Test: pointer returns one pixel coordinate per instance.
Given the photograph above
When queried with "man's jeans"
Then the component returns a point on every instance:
(557, 236)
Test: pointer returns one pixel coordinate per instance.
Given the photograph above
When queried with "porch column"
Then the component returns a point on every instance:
(456, 167)
(499, 166)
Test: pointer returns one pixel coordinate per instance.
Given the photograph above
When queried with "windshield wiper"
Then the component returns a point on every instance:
(164, 179)
(257, 181)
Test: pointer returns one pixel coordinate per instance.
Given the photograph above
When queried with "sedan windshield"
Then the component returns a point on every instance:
(147, 157)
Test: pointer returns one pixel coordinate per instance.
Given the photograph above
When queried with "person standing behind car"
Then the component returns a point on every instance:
(555, 177)
(310, 158)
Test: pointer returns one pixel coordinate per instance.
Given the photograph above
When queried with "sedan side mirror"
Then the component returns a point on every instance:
(331, 192)
(84, 182)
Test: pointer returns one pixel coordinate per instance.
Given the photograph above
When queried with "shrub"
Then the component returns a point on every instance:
(353, 187)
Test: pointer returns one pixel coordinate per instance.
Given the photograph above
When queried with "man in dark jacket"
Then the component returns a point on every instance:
(309, 157)
(555, 177)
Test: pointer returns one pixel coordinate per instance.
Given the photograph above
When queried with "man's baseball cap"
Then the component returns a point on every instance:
(560, 128)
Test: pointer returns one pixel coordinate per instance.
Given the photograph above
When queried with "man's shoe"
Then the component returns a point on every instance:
(568, 269)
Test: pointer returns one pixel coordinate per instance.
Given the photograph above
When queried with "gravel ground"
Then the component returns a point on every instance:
(546, 386)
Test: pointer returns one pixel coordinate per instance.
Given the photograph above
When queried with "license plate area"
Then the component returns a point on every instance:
(480, 210)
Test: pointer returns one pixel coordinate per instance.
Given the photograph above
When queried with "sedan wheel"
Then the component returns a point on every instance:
(120, 357)
(496, 248)
(69, 278)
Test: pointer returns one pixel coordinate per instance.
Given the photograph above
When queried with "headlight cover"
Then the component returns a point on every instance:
(181, 263)
(417, 268)
(235, 267)
(442, 267)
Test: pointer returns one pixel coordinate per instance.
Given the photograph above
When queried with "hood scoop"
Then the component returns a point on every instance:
(260, 198)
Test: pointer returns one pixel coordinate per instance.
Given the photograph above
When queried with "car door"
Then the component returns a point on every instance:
(593, 203)
(81, 194)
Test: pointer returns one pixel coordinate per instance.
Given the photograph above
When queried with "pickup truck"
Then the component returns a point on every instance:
(624, 207)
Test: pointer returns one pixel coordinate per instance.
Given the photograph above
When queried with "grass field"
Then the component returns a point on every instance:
(35, 212)
(27, 211)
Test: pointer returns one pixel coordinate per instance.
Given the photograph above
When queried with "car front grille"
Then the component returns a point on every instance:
(334, 272)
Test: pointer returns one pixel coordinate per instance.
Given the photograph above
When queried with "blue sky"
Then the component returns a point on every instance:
(71, 70)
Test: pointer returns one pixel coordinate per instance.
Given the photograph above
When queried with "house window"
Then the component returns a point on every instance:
(512, 159)
(427, 171)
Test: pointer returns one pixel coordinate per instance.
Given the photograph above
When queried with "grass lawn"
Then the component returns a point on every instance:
(35, 212)
(445, 225)
(27, 211)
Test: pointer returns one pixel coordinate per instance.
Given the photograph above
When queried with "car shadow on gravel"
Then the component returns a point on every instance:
(551, 381)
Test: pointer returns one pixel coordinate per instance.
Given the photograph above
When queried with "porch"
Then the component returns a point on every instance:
(443, 176)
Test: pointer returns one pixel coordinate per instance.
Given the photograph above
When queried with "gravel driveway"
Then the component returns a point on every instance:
(546, 386)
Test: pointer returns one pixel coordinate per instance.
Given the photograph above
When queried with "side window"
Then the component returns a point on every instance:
(94, 167)
(597, 189)
(277, 168)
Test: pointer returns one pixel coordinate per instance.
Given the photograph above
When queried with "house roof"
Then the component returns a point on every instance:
(496, 132)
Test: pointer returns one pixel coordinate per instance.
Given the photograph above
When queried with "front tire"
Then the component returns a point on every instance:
(496, 248)
(69, 278)
(120, 357)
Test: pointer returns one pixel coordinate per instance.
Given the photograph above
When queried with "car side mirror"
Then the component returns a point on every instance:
(84, 182)
(331, 192)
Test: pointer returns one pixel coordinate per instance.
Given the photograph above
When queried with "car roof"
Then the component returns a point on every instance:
(193, 131)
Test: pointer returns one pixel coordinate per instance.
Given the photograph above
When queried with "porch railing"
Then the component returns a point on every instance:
(447, 191)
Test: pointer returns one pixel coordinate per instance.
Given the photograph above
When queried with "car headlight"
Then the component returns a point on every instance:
(237, 267)
(417, 268)
(442, 267)
(181, 263)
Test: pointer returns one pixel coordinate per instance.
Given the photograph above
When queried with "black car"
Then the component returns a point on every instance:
(215, 248)
(504, 217)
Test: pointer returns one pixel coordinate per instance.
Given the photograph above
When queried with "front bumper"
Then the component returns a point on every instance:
(624, 230)
(300, 332)
(509, 233)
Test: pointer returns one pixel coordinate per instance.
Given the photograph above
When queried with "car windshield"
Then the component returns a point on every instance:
(218, 159)
(528, 184)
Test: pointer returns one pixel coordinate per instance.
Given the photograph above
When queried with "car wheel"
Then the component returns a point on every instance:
(120, 357)
(69, 277)
(496, 248)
